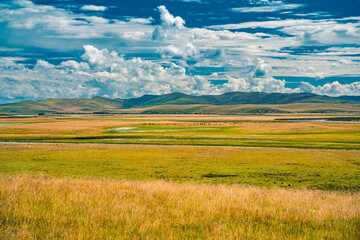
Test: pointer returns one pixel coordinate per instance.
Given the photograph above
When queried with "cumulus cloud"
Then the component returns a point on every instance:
(101, 73)
(247, 60)
(43, 65)
(169, 20)
(48, 27)
(260, 69)
(141, 20)
(170, 28)
(172, 33)
(268, 84)
(106, 73)
(179, 42)
(333, 89)
(93, 8)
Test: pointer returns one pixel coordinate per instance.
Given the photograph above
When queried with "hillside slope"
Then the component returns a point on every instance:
(234, 98)
(178, 101)
(61, 105)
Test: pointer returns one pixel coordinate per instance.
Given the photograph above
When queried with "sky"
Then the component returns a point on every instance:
(125, 49)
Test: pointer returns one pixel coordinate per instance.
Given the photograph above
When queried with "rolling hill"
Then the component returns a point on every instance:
(234, 98)
(232, 102)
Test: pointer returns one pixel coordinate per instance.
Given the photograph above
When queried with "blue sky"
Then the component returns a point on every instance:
(123, 49)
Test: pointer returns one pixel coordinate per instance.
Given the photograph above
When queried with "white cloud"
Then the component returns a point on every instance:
(261, 2)
(327, 31)
(47, 27)
(102, 73)
(41, 64)
(334, 51)
(261, 68)
(249, 59)
(269, 24)
(185, 52)
(268, 8)
(299, 35)
(108, 74)
(306, 69)
(318, 14)
(141, 20)
(345, 61)
(71, 64)
(333, 89)
(201, 45)
(208, 34)
(268, 85)
(177, 40)
(93, 8)
(169, 20)
(314, 66)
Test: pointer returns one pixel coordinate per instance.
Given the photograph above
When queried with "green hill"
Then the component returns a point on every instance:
(234, 98)
(61, 105)
(227, 103)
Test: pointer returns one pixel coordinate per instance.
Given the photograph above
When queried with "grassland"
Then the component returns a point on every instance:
(179, 177)
(41, 208)
(191, 130)
(290, 168)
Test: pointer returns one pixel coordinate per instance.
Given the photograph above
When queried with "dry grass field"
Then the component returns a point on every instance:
(41, 208)
(179, 177)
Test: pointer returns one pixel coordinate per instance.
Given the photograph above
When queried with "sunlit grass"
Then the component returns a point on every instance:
(291, 168)
(40, 208)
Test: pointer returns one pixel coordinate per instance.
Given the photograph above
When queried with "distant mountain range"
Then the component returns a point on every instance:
(177, 102)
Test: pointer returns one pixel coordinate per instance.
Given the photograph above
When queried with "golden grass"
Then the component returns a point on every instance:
(40, 208)
(96, 126)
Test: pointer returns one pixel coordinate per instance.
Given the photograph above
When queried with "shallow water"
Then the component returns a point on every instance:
(319, 120)
(137, 130)
(7, 124)
(123, 129)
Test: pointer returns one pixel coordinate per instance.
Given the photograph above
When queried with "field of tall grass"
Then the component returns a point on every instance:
(178, 177)
(42, 208)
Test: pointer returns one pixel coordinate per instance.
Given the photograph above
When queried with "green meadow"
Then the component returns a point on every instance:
(245, 133)
(283, 167)
(262, 151)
